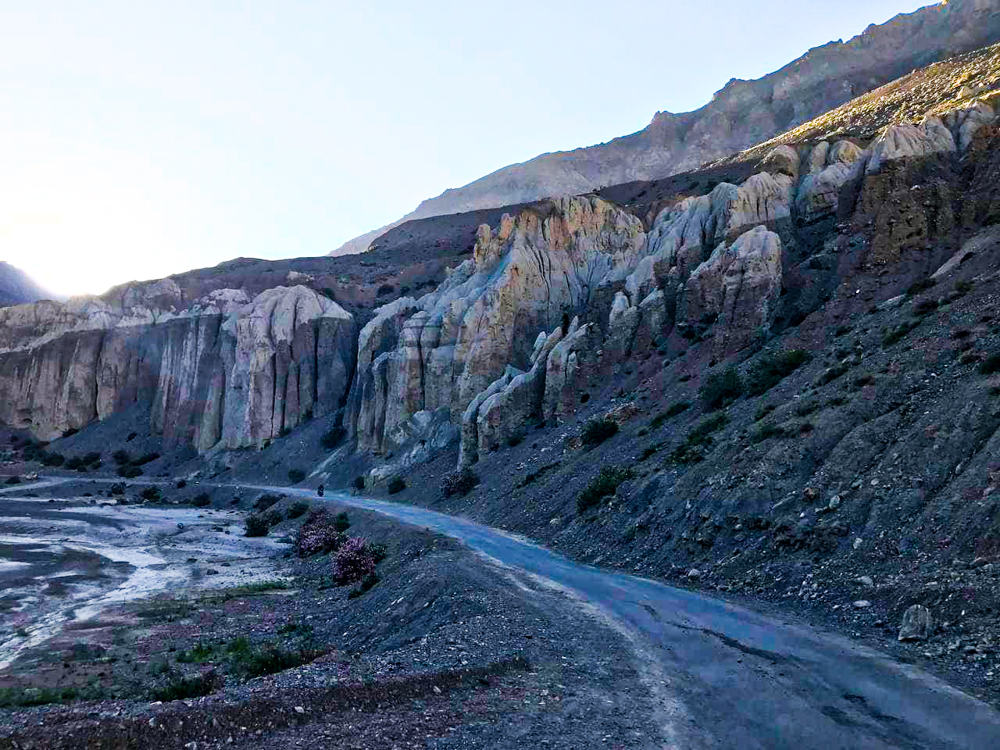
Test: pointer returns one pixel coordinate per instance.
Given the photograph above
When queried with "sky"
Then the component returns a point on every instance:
(139, 139)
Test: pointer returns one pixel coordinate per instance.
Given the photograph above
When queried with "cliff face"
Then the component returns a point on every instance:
(225, 371)
(742, 114)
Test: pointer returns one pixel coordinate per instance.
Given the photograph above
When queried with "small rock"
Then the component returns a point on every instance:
(437, 690)
(300, 709)
(694, 573)
(834, 502)
(917, 624)
(191, 746)
(865, 580)
(810, 493)
(862, 603)
(857, 542)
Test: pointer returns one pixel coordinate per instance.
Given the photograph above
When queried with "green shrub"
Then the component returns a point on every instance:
(358, 483)
(921, 286)
(597, 430)
(925, 307)
(830, 374)
(151, 493)
(257, 524)
(763, 411)
(671, 411)
(268, 658)
(396, 485)
(963, 287)
(296, 475)
(342, 522)
(990, 365)
(266, 500)
(53, 459)
(298, 509)
(721, 388)
(805, 408)
(121, 457)
(771, 369)
(186, 688)
(143, 460)
(897, 333)
(460, 482)
(604, 484)
(766, 432)
(691, 451)
(14, 480)
(334, 437)
(649, 451)
(129, 472)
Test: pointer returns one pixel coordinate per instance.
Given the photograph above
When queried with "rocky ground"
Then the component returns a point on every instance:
(443, 651)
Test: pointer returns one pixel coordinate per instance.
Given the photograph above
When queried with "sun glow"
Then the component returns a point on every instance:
(80, 221)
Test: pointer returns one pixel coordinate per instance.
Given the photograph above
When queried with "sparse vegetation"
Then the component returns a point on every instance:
(830, 374)
(605, 483)
(297, 509)
(13, 480)
(296, 475)
(678, 407)
(898, 333)
(534, 476)
(186, 688)
(692, 450)
(921, 286)
(763, 411)
(991, 364)
(121, 457)
(266, 500)
(129, 472)
(721, 388)
(766, 432)
(772, 368)
(151, 494)
(597, 430)
(259, 524)
(201, 500)
(460, 482)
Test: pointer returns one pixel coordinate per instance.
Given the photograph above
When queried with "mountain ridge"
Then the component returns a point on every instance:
(16, 287)
(823, 78)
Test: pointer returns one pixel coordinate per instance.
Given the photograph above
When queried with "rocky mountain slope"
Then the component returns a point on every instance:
(16, 287)
(742, 114)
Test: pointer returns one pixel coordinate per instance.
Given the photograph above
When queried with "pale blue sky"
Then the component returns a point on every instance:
(139, 139)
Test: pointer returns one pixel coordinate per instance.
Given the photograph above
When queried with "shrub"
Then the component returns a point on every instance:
(925, 306)
(515, 440)
(862, 380)
(597, 430)
(830, 374)
(721, 388)
(963, 287)
(342, 523)
(358, 483)
(257, 524)
(317, 535)
(841, 331)
(771, 369)
(265, 501)
(118, 488)
(53, 459)
(649, 451)
(671, 411)
(691, 451)
(766, 432)
(185, 688)
(604, 484)
(386, 289)
(353, 561)
(298, 509)
(763, 411)
(129, 472)
(459, 482)
(332, 438)
(70, 432)
(201, 500)
(990, 365)
(396, 485)
(151, 493)
(897, 333)
(806, 408)
(296, 475)
(269, 659)
(121, 457)
(143, 460)
(367, 583)
(921, 286)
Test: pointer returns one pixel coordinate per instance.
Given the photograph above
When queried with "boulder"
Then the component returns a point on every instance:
(918, 624)
(818, 194)
(905, 140)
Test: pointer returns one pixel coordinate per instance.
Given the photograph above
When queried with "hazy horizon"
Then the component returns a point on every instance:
(137, 142)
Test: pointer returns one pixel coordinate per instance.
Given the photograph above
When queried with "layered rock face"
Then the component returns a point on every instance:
(742, 114)
(224, 371)
(526, 275)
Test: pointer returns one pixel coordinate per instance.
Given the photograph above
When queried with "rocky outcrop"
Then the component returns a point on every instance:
(829, 168)
(738, 286)
(224, 371)
(524, 277)
(742, 114)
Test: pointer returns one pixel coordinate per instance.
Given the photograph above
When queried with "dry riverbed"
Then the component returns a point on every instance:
(243, 644)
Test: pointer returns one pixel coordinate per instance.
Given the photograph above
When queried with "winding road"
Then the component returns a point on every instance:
(727, 677)
(724, 676)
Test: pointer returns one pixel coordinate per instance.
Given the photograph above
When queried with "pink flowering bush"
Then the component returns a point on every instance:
(317, 535)
(355, 560)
